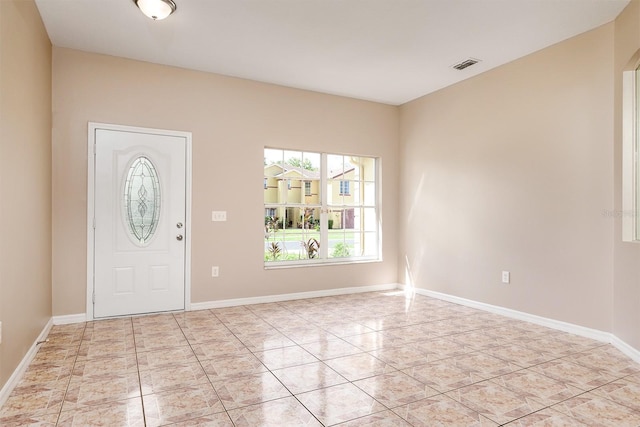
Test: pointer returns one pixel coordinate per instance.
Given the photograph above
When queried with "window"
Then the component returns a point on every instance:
(142, 200)
(332, 217)
(265, 183)
(630, 153)
(344, 188)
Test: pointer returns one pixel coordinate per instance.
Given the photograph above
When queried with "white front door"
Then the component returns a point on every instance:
(140, 218)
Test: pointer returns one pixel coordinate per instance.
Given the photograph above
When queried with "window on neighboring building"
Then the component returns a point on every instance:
(334, 217)
(265, 183)
(344, 188)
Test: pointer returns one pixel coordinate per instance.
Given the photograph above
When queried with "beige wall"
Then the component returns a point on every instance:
(25, 186)
(512, 170)
(626, 301)
(231, 120)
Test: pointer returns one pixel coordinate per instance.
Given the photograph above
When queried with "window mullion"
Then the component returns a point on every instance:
(324, 212)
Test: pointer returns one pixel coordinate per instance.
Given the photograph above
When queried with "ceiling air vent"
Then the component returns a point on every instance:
(465, 64)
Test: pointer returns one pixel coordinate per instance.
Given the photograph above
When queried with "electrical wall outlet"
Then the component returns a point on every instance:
(506, 277)
(215, 271)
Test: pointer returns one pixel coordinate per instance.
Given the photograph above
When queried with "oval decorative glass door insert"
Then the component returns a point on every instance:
(142, 200)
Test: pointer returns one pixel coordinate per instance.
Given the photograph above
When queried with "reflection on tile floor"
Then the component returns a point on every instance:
(371, 359)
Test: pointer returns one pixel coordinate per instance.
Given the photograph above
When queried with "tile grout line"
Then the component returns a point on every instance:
(276, 377)
(226, 411)
(73, 366)
(329, 367)
(269, 370)
(135, 348)
(352, 382)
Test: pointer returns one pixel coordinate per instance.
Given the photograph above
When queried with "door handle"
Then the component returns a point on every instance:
(179, 225)
(179, 237)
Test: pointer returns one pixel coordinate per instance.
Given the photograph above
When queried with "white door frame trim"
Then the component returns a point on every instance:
(91, 205)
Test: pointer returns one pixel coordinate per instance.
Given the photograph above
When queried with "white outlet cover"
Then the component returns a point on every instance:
(506, 277)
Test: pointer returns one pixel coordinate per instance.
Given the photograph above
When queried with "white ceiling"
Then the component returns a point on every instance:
(389, 51)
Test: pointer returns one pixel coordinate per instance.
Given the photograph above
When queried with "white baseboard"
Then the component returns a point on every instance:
(288, 297)
(514, 314)
(69, 318)
(15, 378)
(82, 317)
(538, 320)
(625, 348)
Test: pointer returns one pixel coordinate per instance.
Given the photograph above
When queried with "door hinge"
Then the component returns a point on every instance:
(94, 223)
(93, 298)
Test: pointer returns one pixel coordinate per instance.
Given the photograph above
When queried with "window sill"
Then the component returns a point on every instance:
(299, 264)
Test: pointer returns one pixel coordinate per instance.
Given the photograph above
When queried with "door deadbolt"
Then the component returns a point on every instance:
(179, 225)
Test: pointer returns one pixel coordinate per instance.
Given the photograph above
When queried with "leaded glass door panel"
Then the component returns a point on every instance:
(139, 229)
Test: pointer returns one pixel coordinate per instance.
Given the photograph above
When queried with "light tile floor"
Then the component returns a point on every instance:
(373, 359)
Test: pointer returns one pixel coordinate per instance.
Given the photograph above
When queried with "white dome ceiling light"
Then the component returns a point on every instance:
(156, 9)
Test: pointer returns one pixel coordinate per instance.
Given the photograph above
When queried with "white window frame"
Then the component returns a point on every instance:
(323, 258)
(630, 151)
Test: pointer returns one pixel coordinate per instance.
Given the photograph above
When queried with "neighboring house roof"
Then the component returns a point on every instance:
(336, 173)
(286, 169)
(305, 173)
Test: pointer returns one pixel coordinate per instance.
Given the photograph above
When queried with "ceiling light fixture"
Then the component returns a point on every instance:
(156, 9)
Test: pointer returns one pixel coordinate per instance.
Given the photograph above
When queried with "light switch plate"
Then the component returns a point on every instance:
(218, 215)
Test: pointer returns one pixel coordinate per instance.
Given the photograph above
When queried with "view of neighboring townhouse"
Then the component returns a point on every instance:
(298, 215)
